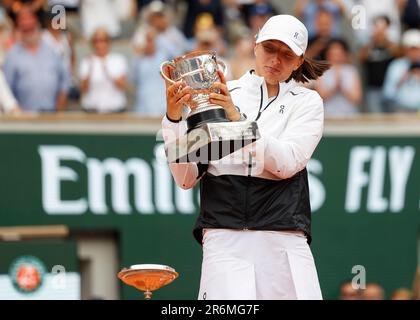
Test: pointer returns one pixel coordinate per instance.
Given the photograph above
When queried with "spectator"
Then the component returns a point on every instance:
(103, 77)
(317, 43)
(256, 11)
(234, 22)
(6, 36)
(155, 41)
(8, 103)
(156, 15)
(402, 80)
(308, 10)
(258, 16)
(411, 14)
(126, 9)
(373, 291)
(242, 58)
(13, 7)
(209, 40)
(35, 72)
(371, 10)
(99, 14)
(149, 85)
(340, 86)
(375, 58)
(401, 294)
(197, 8)
(205, 25)
(60, 41)
(348, 291)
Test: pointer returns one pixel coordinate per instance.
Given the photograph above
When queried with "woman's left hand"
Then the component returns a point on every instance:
(224, 98)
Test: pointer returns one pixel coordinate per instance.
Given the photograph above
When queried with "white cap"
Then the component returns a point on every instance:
(411, 38)
(287, 29)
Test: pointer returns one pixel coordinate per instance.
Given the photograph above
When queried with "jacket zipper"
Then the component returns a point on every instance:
(260, 110)
(245, 228)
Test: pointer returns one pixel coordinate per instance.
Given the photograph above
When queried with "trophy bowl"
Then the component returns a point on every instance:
(148, 277)
(210, 134)
(199, 70)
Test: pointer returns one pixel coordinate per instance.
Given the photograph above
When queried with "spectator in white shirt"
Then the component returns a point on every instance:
(103, 77)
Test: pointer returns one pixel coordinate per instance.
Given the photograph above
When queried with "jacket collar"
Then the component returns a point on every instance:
(253, 81)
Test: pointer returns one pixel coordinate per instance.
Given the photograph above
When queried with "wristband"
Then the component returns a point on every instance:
(172, 120)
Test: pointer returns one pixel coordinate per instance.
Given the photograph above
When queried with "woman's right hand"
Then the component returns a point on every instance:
(177, 94)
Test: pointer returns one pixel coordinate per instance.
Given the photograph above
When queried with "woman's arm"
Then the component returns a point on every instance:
(186, 175)
(288, 154)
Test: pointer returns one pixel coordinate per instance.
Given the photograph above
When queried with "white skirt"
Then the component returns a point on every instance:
(251, 265)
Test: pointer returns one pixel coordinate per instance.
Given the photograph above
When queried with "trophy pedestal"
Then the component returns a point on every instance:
(212, 141)
(197, 119)
(148, 277)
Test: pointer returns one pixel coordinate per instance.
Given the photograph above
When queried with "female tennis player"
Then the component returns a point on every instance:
(255, 218)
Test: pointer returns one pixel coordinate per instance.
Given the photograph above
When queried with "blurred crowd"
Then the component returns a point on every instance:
(374, 50)
(373, 291)
(353, 290)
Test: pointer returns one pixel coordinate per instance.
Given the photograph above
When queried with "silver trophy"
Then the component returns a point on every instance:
(210, 135)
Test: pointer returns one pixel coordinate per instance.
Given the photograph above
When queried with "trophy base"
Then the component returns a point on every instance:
(212, 141)
(196, 120)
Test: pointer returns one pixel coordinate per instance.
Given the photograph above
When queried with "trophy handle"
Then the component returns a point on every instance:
(222, 67)
(164, 65)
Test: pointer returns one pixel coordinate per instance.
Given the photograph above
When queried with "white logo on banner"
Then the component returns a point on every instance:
(368, 167)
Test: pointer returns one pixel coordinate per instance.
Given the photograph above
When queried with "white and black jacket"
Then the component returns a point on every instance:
(266, 189)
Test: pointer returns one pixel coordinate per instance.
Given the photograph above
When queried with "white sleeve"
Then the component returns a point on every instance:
(120, 68)
(7, 100)
(185, 174)
(287, 155)
(84, 68)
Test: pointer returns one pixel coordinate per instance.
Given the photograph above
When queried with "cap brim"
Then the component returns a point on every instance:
(298, 51)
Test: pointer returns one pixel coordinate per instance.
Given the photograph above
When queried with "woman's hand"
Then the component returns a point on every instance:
(224, 99)
(177, 94)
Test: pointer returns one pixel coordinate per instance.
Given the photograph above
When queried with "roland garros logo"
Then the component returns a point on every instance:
(27, 274)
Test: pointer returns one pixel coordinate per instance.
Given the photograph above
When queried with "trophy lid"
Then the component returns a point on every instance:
(151, 267)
